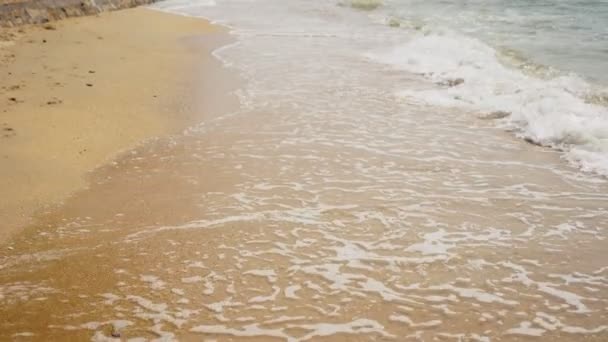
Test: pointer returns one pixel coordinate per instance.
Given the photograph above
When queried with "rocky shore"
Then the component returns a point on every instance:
(20, 12)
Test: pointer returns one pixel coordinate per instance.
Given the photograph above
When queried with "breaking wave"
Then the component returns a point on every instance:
(556, 110)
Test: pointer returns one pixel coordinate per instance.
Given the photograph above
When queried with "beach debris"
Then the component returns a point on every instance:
(499, 114)
(532, 141)
(9, 131)
(89, 84)
(91, 71)
(394, 22)
(12, 99)
(366, 5)
(44, 40)
(452, 82)
(49, 27)
(54, 102)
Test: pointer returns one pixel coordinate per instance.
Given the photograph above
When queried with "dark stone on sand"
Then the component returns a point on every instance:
(91, 71)
(453, 82)
(8, 132)
(89, 84)
(499, 114)
(13, 99)
(531, 141)
(20, 12)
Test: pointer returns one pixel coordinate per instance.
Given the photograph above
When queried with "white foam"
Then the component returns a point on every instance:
(180, 5)
(357, 327)
(190, 280)
(360, 326)
(271, 297)
(551, 112)
(218, 307)
(432, 244)
(521, 275)
(525, 328)
(290, 291)
(179, 292)
(155, 283)
(408, 321)
(147, 304)
(251, 330)
(268, 274)
(110, 298)
(23, 291)
(23, 334)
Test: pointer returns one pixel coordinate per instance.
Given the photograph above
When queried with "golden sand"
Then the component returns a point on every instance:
(75, 93)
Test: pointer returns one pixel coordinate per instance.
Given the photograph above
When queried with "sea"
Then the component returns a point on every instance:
(538, 68)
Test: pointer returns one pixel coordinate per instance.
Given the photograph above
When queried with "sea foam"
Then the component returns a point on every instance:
(549, 111)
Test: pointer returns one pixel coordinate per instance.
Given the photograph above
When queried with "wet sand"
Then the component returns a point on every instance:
(75, 93)
(242, 229)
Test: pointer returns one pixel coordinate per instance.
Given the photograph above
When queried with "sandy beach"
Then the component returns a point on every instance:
(317, 193)
(75, 93)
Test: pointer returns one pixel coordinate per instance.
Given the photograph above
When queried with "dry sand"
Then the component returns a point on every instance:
(75, 93)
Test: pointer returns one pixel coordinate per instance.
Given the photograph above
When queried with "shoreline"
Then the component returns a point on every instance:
(82, 91)
(325, 206)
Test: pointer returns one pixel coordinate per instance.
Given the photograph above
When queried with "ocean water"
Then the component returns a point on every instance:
(538, 68)
(568, 35)
(360, 191)
(544, 62)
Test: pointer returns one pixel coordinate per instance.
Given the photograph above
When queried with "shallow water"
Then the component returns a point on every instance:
(325, 208)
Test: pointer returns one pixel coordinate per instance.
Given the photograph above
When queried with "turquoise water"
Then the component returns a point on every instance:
(569, 35)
